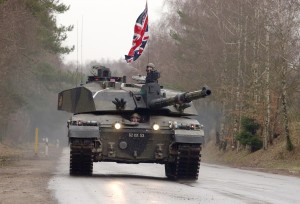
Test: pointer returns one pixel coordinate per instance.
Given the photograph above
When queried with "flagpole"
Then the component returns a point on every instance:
(76, 78)
(149, 35)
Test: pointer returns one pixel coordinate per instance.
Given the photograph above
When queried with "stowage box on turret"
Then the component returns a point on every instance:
(132, 123)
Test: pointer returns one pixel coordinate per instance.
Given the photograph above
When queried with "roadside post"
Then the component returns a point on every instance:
(57, 143)
(46, 146)
(36, 144)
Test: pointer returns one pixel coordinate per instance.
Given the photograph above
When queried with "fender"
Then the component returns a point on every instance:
(83, 132)
(189, 136)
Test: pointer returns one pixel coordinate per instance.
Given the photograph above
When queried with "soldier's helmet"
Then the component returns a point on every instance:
(150, 65)
(135, 115)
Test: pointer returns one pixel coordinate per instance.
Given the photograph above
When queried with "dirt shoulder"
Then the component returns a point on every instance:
(24, 177)
(275, 160)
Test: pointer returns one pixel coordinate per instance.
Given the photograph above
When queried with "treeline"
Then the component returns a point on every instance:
(31, 71)
(246, 51)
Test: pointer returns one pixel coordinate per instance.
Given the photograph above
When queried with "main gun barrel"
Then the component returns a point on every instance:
(180, 98)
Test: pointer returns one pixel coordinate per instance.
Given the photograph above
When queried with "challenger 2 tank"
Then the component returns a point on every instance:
(115, 121)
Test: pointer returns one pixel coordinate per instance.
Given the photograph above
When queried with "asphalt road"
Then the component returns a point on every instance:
(146, 183)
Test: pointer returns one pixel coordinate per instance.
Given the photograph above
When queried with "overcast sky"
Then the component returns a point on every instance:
(108, 26)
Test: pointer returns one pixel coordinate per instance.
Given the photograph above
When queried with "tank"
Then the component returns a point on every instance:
(115, 121)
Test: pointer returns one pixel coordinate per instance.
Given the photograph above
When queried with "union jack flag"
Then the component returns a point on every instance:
(140, 37)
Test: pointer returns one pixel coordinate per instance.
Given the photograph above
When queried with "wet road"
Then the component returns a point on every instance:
(146, 183)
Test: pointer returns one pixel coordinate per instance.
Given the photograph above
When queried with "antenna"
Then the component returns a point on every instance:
(76, 76)
(148, 49)
(81, 50)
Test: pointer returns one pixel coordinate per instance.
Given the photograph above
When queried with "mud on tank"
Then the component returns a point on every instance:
(114, 121)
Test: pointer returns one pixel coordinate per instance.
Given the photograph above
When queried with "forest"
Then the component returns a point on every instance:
(31, 71)
(247, 52)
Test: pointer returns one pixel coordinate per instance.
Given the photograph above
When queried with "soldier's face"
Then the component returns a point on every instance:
(134, 119)
(148, 69)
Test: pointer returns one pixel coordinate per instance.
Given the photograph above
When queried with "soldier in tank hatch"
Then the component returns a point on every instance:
(135, 118)
(152, 74)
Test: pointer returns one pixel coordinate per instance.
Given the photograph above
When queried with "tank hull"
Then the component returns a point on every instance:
(178, 149)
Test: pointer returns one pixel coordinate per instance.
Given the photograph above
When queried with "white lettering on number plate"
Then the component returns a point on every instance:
(136, 134)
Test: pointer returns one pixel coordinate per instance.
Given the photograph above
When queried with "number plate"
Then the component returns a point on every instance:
(136, 135)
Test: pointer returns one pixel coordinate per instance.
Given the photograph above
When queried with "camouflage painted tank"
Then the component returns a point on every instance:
(114, 121)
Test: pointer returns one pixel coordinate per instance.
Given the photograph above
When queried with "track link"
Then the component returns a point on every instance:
(81, 160)
(186, 164)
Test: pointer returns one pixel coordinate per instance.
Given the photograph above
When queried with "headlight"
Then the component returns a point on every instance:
(192, 126)
(117, 125)
(155, 126)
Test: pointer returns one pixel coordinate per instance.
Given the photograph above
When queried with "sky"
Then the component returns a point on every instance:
(103, 29)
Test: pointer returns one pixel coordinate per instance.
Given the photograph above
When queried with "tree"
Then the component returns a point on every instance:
(49, 34)
(247, 135)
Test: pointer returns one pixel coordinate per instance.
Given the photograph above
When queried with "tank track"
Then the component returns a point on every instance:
(186, 164)
(81, 160)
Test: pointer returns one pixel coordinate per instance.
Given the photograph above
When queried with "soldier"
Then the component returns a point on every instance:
(152, 74)
(135, 118)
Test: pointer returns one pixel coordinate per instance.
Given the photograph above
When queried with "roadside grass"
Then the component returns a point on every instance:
(8, 154)
(5, 160)
(275, 159)
(11, 153)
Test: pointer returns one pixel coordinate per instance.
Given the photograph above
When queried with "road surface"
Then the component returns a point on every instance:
(146, 183)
